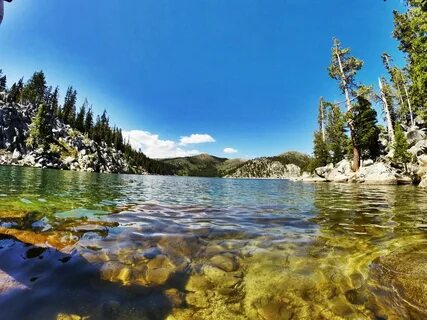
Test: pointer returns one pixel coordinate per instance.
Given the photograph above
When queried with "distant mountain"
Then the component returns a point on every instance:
(203, 165)
(286, 165)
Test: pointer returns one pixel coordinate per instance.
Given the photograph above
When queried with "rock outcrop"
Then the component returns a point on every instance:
(267, 169)
(72, 150)
(369, 173)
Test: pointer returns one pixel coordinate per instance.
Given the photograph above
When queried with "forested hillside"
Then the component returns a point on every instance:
(34, 122)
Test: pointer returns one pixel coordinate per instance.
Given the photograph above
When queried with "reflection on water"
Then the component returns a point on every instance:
(98, 246)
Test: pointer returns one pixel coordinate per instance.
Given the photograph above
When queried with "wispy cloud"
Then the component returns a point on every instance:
(230, 150)
(154, 147)
(196, 138)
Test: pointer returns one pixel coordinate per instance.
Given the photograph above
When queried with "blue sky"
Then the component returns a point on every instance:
(195, 76)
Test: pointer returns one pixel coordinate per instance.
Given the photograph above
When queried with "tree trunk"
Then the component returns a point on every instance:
(390, 128)
(356, 152)
(409, 103)
(322, 115)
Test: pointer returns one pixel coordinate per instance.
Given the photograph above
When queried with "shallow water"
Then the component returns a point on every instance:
(99, 246)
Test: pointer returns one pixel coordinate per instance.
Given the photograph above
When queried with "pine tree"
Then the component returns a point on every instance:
(400, 91)
(401, 154)
(97, 130)
(34, 90)
(3, 81)
(366, 132)
(54, 101)
(40, 133)
(336, 139)
(69, 108)
(89, 121)
(344, 68)
(80, 119)
(320, 152)
(15, 92)
(411, 31)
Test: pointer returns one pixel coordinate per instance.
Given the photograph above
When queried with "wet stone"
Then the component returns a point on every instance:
(160, 261)
(175, 297)
(404, 273)
(198, 283)
(181, 245)
(220, 277)
(224, 262)
(151, 253)
(197, 299)
(115, 271)
(356, 296)
(158, 276)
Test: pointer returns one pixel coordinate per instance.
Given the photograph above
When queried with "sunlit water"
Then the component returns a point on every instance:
(98, 246)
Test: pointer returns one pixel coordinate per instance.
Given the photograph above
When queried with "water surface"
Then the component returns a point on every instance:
(101, 246)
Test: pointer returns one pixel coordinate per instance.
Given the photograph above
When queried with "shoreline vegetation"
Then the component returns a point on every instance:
(349, 145)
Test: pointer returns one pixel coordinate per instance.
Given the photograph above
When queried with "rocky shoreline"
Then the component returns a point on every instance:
(378, 173)
(383, 171)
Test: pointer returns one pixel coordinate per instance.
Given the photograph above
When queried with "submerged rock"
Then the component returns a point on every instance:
(224, 262)
(404, 275)
(220, 277)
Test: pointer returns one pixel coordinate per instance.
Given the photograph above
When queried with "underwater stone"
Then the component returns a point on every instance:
(198, 283)
(198, 299)
(220, 277)
(224, 262)
(175, 297)
(404, 273)
(158, 276)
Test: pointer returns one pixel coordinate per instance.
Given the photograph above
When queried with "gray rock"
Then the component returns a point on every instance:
(342, 172)
(419, 148)
(268, 169)
(414, 135)
(324, 171)
(367, 162)
(378, 173)
(16, 155)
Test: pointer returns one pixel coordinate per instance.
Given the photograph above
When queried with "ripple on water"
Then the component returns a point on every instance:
(188, 248)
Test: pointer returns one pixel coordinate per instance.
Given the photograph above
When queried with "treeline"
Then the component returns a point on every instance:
(402, 94)
(46, 100)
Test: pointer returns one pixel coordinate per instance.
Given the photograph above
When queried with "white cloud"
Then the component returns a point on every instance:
(230, 150)
(154, 147)
(196, 139)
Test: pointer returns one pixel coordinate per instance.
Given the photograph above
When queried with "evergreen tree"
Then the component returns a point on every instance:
(34, 90)
(3, 81)
(40, 133)
(69, 108)
(366, 132)
(97, 130)
(80, 119)
(411, 31)
(89, 121)
(401, 154)
(399, 92)
(15, 92)
(54, 101)
(343, 68)
(336, 139)
(321, 155)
